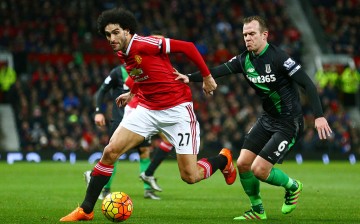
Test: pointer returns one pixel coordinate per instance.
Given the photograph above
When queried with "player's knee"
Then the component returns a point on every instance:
(243, 166)
(260, 172)
(188, 178)
(110, 154)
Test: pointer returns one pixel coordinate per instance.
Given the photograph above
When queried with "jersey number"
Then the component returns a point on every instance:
(282, 145)
(184, 137)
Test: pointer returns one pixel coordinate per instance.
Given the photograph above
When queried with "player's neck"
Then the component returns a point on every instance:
(127, 43)
(261, 50)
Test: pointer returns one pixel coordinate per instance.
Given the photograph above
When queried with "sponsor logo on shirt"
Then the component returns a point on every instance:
(137, 75)
(136, 72)
(262, 79)
(250, 70)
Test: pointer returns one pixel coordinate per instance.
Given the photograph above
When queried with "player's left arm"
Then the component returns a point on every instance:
(230, 67)
(189, 49)
(321, 123)
(124, 99)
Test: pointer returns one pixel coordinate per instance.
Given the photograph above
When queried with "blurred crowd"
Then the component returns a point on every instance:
(340, 20)
(54, 101)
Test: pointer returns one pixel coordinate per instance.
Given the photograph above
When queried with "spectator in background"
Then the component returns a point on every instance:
(340, 24)
(349, 84)
(71, 101)
(7, 79)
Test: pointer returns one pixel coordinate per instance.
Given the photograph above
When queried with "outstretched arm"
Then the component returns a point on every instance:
(216, 72)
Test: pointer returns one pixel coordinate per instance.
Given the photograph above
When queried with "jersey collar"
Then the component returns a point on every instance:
(129, 46)
(262, 52)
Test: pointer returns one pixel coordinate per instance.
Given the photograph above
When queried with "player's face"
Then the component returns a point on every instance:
(255, 40)
(118, 38)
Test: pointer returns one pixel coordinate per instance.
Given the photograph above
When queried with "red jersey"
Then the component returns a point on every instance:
(135, 100)
(149, 66)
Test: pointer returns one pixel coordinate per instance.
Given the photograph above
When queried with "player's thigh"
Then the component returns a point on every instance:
(123, 139)
(245, 159)
(256, 138)
(285, 134)
(276, 147)
(141, 121)
(183, 130)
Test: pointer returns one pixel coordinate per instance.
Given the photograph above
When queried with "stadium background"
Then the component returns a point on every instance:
(52, 61)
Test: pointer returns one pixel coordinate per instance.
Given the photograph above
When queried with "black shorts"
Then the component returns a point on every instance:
(273, 138)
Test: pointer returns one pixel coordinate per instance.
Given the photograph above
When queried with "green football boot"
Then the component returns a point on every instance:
(291, 199)
(251, 214)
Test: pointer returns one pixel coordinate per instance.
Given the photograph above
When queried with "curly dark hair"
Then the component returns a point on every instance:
(123, 17)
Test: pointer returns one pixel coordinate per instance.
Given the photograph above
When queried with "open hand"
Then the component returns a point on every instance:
(322, 127)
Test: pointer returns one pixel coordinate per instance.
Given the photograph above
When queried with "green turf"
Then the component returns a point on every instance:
(44, 192)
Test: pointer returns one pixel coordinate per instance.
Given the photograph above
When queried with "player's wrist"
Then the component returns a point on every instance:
(206, 76)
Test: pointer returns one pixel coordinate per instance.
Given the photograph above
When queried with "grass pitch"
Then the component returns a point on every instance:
(44, 192)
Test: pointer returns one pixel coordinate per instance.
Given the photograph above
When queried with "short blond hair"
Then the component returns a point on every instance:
(261, 20)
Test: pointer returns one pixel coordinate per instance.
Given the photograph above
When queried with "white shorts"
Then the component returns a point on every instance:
(127, 111)
(179, 124)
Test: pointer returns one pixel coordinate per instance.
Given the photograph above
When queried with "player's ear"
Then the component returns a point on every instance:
(265, 35)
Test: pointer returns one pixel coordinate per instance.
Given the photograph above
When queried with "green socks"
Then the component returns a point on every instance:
(144, 164)
(278, 178)
(251, 187)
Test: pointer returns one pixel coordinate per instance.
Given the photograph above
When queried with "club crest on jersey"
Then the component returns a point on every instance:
(138, 59)
(267, 68)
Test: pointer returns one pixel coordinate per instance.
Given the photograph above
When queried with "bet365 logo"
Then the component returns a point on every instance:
(262, 78)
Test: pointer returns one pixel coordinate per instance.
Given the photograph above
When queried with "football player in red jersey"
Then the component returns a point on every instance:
(165, 105)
